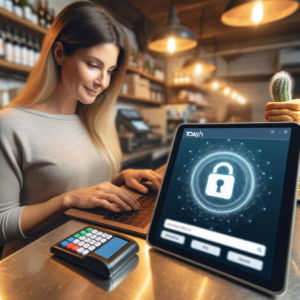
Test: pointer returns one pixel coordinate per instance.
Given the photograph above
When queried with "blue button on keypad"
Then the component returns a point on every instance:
(70, 240)
(64, 244)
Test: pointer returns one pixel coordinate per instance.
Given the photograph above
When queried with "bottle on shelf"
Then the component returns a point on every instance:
(1, 43)
(34, 16)
(26, 10)
(18, 8)
(17, 47)
(52, 15)
(47, 15)
(9, 5)
(41, 14)
(31, 54)
(8, 46)
(24, 50)
(37, 49)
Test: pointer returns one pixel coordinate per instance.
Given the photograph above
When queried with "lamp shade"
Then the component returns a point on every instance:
(240, 13)
(172, 37)
(194, 64)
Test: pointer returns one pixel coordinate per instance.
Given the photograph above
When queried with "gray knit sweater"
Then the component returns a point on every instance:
(42, 155)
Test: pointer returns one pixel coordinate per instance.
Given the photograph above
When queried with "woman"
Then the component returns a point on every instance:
(59, 147)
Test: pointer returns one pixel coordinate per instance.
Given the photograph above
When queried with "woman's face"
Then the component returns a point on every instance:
(88, 71)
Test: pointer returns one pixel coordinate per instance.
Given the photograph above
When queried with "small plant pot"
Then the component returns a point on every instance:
(288, 111)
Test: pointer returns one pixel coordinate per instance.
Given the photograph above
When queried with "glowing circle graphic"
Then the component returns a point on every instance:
(243, 188)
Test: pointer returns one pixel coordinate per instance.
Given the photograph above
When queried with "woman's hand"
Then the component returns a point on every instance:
(132, 178)
(104, 194)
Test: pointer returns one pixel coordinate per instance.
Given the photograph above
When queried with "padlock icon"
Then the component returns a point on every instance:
(219, 185)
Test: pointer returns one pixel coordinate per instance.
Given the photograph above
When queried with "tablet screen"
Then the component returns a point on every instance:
(224, 196)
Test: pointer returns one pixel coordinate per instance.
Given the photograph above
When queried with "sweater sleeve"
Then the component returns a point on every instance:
(11, 182)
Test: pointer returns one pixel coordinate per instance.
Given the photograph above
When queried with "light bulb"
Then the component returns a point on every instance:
(176, 80)
(215, 85)
(234, 95)
(257, 13)
(227, 91)
(171, 45)
(198, 69)
(186, 79)
(243, 100)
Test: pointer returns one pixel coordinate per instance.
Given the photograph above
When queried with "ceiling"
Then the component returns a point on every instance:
(203, 17)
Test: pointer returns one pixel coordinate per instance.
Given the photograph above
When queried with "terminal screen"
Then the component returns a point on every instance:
(225, 193)
(140, 125)
(130, 114)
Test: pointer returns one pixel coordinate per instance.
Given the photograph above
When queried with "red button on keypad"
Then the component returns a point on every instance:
(69, 246)
(74, 248)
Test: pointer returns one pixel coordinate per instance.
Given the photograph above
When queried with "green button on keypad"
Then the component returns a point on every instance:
(89, 229)
(77, 236)
(83, 232)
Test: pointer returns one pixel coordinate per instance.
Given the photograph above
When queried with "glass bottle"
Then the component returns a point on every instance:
(37, 50)
(17, 47)
(24, 50)
(52, 15)
(8, 46)
(9, 5)
(31, 53)
(18, 8)
(34, 16)
(47, 15)
(26, 10)
(41, 14)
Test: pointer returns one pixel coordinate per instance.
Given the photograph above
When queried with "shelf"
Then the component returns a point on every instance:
(145, 74)
(11, 66)
(188, 86)
(187, 102)
(135, 99)
(8, 17)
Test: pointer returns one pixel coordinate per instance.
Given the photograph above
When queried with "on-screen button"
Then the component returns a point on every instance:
(177, 238)
(245, 260)
(207, 248)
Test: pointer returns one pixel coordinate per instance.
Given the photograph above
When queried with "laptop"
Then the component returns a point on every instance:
(136, 222)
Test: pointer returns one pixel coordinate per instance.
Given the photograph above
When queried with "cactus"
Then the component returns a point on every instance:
(281, 87)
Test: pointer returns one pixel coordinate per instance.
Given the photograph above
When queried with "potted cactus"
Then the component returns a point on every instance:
(283, 108)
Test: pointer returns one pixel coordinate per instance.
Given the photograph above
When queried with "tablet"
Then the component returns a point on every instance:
(228, 200)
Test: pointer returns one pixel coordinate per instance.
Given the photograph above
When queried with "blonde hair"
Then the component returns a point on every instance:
(79, 25)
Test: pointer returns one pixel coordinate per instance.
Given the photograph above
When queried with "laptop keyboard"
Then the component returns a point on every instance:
(140, 218)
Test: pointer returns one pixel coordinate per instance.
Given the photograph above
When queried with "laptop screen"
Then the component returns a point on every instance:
(224, 196)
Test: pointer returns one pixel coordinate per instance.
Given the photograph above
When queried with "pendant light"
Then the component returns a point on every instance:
(242, 13)
(215, 83)
(197, 64)
(172, 38)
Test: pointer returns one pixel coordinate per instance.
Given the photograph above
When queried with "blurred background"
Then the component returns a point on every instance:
(191, 61)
